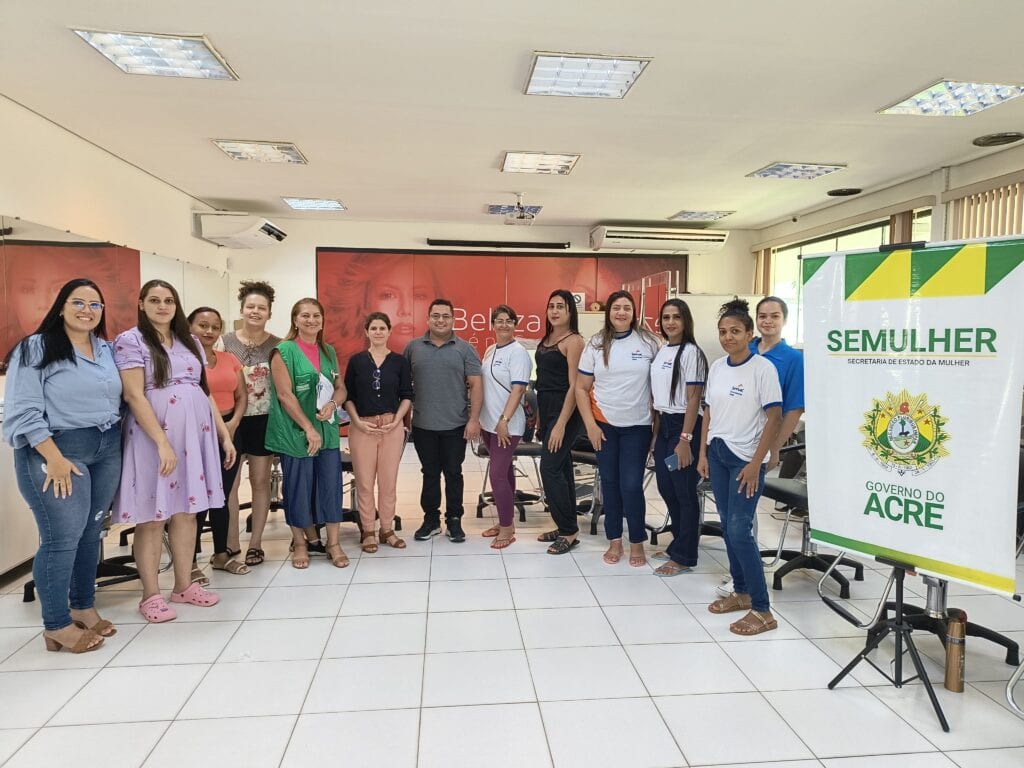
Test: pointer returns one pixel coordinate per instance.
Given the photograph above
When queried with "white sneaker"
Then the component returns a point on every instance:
(725, 588)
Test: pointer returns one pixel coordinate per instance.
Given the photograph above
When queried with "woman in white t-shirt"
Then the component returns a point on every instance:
(506, 375)
(741, 420)
(678, 374)
(613, 395)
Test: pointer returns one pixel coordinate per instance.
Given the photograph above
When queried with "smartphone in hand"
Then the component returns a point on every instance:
(672, 462)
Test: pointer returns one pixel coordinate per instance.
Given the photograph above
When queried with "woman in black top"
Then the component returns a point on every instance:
(379, 385)
(559, 423)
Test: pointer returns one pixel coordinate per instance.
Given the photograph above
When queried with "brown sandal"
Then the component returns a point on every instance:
(369, 542)
(548, 536)
(754, 623)
(731, 603)
(103, 628)
(84, 644)
(392, 540)
(339, 560)
(491, 532)
(300, 556)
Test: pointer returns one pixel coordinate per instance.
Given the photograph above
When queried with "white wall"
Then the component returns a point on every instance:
(291, 266)
(52, 177)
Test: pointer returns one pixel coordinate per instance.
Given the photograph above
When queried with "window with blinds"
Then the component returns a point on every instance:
(991, 213)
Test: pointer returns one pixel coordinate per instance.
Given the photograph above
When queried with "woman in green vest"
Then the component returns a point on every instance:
(302, 428)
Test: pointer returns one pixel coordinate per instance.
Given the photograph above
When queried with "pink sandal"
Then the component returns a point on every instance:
(156, 610)
(196, 595)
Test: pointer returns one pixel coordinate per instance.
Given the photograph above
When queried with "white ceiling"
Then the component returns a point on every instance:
(404, 108)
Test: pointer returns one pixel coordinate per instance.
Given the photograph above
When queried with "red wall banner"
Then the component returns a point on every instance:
(31, 275)
(352, 283)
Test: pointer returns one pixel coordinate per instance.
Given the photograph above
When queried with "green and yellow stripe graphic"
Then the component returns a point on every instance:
(926, 273)
(963, 573)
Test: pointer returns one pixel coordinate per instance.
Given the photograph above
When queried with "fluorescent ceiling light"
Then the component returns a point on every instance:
(538, 162)
(505, 210)
(139, 53)
(954, 98)
(313, 204)
(700, 215)
(798, 171)
(261, 151)
(583, 75)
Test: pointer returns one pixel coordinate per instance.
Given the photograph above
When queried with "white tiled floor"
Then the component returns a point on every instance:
(456, 654)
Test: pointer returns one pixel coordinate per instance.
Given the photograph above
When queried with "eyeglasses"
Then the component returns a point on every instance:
(435, 316)
(505, 321)
(376, 380)
(78, 305)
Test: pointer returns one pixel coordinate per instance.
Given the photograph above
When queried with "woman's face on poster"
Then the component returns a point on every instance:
(399, 295)
(32, 286)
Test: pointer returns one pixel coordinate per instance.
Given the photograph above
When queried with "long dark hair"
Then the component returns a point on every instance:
(574, 313)
(688, 338)
(57, 346)
(179, 330)
(607, 334)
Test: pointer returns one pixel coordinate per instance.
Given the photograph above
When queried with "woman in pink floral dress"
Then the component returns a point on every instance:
(171, 466)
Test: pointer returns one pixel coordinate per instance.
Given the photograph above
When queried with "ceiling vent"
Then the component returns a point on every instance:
(657, 239)
(232, 229)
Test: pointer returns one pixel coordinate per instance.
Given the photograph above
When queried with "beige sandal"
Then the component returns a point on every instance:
(730, 604)
(369, 542)
(225, 562)
(339, 560)
(754, 623)
(491, 532)
(300, 556)
(392, 540)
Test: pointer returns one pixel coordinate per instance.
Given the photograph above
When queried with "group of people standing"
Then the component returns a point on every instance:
(196, 399)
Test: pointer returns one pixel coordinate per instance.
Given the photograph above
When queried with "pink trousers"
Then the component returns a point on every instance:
(375, 461)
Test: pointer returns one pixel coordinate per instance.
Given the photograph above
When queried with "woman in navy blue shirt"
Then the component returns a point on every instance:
(62, 417)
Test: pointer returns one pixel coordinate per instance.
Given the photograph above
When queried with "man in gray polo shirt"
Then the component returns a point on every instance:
(449, 393)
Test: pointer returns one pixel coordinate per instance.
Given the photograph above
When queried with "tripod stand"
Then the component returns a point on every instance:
(901, 630)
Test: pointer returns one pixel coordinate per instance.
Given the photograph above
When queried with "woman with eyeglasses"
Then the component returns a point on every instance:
(172, 463)
(302, 428)
(506, 375)
(62, 417)
(379, 386)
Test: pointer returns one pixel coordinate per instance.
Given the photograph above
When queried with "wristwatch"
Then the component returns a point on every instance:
(685, 436)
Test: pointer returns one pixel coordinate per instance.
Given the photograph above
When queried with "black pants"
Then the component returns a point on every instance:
(219, 517)
(440, 452)
(556, 475)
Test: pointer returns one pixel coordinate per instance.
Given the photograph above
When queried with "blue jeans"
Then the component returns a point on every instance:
(679, 488)
(64, 568)
(311, 488)
(737, 513)
(621, 462)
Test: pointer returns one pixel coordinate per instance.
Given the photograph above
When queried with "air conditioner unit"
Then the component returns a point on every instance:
(232, 229)
(657, 239)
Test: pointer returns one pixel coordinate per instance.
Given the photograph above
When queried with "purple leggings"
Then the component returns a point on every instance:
(502, 475)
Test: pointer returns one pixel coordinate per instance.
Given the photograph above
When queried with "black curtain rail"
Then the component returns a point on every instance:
(497, 244)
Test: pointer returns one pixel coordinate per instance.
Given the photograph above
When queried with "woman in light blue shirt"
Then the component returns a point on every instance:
(62, 416)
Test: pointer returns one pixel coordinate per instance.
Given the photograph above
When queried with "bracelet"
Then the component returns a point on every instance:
(686, 436)
(504, 418)
(336, 406)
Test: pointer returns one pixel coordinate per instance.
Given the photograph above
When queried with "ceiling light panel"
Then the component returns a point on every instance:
(313, 204)
(539, 162)
(261, 151)
(795, 171)
(165, 55)
(582, 75)
(505, 210)
(700, 215)
(955, 98)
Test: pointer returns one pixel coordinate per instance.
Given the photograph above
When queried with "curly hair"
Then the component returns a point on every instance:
(259, 287)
